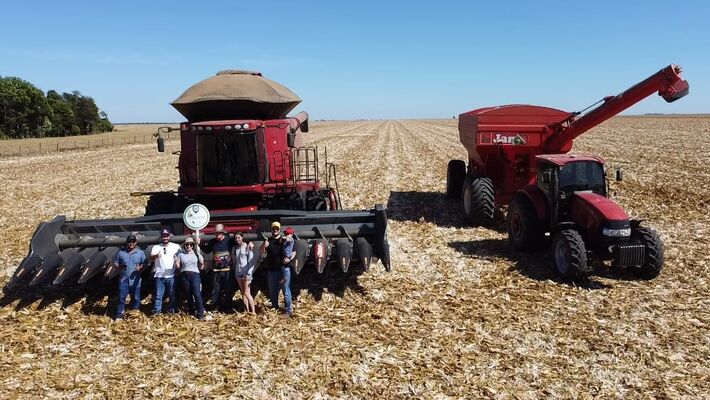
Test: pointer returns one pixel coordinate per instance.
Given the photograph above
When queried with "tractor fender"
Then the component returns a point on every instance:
(537, 198)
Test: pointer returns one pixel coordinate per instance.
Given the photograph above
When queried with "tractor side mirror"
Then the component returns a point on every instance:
(304, 126)
(161, 144)
(619, 175)
(291, 139)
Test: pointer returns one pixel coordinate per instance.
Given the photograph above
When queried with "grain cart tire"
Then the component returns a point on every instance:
(160, 203)
(569, 254)
(525, 231)
(478, 201)
(455, 176)
(653, 263)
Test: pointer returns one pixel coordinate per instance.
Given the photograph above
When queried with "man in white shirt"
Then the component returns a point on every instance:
(163, 257)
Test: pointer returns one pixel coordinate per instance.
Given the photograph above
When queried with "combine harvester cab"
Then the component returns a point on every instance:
(240, 157)
(517, 158)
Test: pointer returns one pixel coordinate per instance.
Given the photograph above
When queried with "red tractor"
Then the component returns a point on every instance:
(241, 157)
(517, 158)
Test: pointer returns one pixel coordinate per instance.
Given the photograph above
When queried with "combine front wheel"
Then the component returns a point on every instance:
(455, 176)
(653, 261)
(478, 201)
(570, 255)
(524, 228)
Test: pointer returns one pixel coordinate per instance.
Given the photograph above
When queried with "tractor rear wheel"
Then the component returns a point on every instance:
(570, 255)
(524, 228)
(653, 263)
(455, 176)
(478, 201)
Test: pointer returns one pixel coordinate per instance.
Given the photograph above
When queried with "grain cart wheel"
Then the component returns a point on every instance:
(455, 176)
(478, 201)
(524, 228)
(570, 255)
(653, 263)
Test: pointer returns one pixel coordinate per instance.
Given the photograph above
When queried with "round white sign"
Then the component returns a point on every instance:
(196, 216)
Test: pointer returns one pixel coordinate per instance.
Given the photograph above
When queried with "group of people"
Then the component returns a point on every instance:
(233, 264)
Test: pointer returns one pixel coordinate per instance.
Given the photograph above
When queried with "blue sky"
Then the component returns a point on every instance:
(350, 60)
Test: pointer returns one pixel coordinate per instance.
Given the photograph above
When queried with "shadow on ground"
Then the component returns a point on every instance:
(100, 297)
(432, 207)
(537, 265)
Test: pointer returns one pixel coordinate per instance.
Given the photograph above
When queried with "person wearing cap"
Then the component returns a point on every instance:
(163, 257)
(190, 262)
(129, 260)
(244, 264)
(288, 254)
(222, 279)
(278, 265)
(273, 247)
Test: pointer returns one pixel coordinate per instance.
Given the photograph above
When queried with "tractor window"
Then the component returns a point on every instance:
(583, 175)
(228, 159)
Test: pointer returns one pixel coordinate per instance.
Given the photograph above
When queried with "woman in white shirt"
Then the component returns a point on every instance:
(244, 263)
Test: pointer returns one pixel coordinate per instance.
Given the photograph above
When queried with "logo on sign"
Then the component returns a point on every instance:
(514, 139)
(196, 216)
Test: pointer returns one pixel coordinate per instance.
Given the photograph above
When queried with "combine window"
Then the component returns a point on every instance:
(582, 175)
(228, 159)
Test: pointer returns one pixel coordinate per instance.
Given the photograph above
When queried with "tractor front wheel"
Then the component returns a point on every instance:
(478, 201)
(653, 261)
(524, 228)
(455, 176)
(570, 255)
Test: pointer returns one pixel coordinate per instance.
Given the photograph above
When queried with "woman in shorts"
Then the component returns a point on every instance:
(244, 262)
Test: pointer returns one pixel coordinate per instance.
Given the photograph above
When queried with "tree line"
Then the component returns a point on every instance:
(26, 112)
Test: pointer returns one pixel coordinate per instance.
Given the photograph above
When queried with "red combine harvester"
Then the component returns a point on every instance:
(241, 157)
(517, 157)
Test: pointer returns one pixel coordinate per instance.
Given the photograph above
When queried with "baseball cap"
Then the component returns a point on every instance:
(131, 239)
(219, 228)
(289, 231)
(165, 232)
(275, 224)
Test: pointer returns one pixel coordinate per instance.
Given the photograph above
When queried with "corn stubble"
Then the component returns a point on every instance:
(460, 316)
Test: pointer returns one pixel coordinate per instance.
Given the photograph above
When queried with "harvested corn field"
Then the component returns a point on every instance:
(460, 316)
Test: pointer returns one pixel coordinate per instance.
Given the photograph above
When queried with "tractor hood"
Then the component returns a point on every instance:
(594, 212)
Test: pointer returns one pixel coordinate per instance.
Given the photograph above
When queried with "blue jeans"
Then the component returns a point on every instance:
(128, 284)
(274, 286)
(191, 283)
(286, 272)
(273, 279)
(163, 285)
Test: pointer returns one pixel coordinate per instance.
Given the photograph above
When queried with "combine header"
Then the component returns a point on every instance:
(241, 157)
(517, 158)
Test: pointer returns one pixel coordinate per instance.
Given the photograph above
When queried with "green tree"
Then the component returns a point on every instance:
(62, 116)
(24, 111)
(104, 124)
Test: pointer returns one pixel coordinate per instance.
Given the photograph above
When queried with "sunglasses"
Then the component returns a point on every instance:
(188, 244)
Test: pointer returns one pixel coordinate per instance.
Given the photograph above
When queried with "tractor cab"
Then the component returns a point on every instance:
(560, 176)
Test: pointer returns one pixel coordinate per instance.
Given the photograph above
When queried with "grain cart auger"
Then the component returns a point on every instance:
(240, 156)
(517, 157)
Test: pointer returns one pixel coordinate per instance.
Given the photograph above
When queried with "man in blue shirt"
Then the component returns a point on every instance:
(129, 260)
